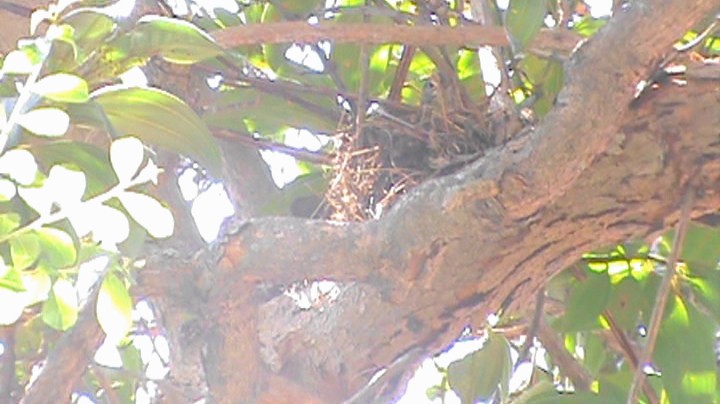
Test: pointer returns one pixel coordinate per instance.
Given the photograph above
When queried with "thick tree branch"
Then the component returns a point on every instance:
(456, 248)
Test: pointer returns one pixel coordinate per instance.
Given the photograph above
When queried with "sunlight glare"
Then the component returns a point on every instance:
(210, 209)
(108, 355)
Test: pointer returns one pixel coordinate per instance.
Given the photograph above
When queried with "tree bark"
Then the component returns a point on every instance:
(597, 171)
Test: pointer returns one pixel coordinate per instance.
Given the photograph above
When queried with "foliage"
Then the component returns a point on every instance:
(77, 153)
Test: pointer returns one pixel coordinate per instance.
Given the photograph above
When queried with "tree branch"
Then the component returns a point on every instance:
(69, 359)
(459, 247)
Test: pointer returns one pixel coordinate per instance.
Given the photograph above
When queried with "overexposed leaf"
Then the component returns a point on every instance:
(65, 186)
(114, 308)
(60, 311)
(149, 213)
(37, 198)
(20, 165)
(46, 121)
(111, 227)
(7, 190)
(17, 62)
(24, 250)
(126, 156)
(12, 306)
(57, 247)
(37, 285)
(8, 223)
(160, 119)
(63, 87)
(149, 173)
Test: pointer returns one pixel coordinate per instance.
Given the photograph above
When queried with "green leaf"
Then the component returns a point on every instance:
(91, 27)
(587, 300)
(12, 280)
(700, 248)
(57, 247)
(308, 187)
(548, 397)
(62, 87)
(51, 122)
(470, 74)
(226, 18)
(546, 79)
(149, 213)
(131, 359)
(596, 353)
(36, 285)
(484, 373)
(114, 308)
(299, 8)
(25, 250)
(626, 303)
(12, 306)
(9, 222)
(161, 119)
(524, 19)
(60, 311)
(176, 40)
(706, 289)
(265, 113)
(687, 334)
(90, 159)
(588, 25)
(17, 62)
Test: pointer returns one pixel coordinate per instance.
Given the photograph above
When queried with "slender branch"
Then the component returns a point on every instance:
(469, 35)
(267, 144)
(579, 376)
(662, 296)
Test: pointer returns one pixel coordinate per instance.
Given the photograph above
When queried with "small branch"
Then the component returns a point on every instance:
(266, 144)
(361, 104)
(302, 32)
(110, 393)
(395, 93)
(629, 354)
(532, 331)
(662, 297)
(579, 376)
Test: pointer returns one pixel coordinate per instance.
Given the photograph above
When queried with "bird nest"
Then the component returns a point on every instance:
(398, 147)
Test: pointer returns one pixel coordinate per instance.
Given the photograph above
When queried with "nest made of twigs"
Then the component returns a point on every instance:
(397, 149)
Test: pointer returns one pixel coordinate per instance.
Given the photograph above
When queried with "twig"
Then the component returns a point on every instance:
(300, 31)
(579, 376)
(110, 393)
(361, 104)
(267, 144)
(662, 297)
(403, 68)
(532, 331)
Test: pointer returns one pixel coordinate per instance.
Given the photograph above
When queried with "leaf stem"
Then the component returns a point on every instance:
(24, 100)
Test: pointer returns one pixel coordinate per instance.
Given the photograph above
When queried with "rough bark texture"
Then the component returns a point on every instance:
(595, 172)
